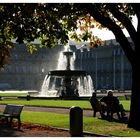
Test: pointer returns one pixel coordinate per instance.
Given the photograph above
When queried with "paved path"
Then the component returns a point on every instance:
(56, 110)
(86, 112)
(51, 109)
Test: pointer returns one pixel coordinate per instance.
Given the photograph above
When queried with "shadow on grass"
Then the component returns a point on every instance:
(122, 120)
(8, 131)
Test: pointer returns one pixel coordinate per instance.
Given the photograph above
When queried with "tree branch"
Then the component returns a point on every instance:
(124, 20)
(111, 25)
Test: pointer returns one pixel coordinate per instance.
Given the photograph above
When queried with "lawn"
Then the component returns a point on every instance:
(58, 103)
(90, 124)
(94, 125)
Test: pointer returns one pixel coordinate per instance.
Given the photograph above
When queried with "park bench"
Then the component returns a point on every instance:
(112, 109)
(12, 112)
(98, 106)
(109, 109)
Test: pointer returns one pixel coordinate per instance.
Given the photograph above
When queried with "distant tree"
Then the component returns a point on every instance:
(54, 22)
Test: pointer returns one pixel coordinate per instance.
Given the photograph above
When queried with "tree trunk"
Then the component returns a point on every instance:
(134, 118)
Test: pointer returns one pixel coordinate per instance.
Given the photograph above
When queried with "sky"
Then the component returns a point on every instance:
(105, 34)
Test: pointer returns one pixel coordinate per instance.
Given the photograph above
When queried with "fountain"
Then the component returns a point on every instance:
(65, 82)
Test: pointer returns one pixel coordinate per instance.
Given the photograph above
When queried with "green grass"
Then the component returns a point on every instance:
(90, 124)
(57, 103)
(126, 104)
(46, 118)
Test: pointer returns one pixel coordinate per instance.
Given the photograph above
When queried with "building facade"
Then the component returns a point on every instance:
(26, 71)
(107, 65)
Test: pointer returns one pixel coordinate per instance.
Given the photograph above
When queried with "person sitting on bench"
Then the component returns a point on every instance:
(97, 106)
(113, 105)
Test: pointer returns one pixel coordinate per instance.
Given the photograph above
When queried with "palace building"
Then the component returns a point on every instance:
(107, 65)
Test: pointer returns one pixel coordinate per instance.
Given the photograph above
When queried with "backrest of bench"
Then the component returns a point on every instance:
(96, 105)
(13, 109)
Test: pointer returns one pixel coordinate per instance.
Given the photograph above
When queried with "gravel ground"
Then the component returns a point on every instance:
(29, 130)
(33, 130)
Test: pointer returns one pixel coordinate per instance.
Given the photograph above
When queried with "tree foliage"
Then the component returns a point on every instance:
(55, 22)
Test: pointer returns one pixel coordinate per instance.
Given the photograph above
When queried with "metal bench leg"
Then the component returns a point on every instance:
(108, 113)
(119, 117)
(11, 119)
(7, 120)
(112, 114)
(19, 123)
(94, 114)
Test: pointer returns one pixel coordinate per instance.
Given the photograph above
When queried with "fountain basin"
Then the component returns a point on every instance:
(65, 82)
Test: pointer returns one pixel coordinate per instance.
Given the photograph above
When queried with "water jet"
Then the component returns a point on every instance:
(66, 82)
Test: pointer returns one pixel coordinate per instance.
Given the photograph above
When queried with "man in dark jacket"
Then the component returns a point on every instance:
(113, 105)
